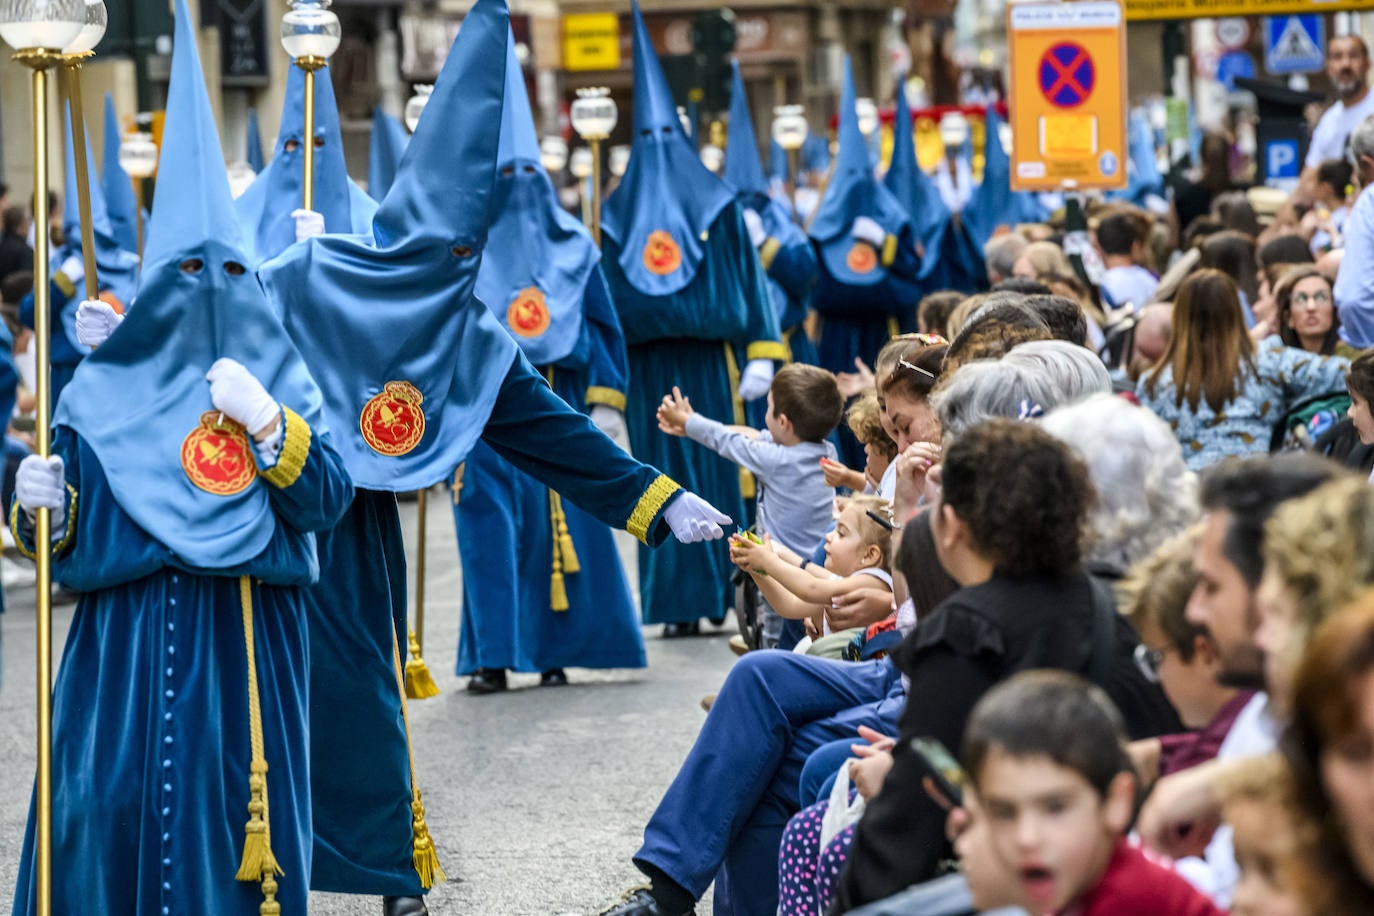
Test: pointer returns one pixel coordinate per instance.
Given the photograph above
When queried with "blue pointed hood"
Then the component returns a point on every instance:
(539, 256)
(743, 168)
(387, 145)
(992, 204)
(153, 367)
(851, 193)
(667, 200)
(120, 203)
(116, 268)
(265, 207)
(253, 143)
(390, 320)
(905, 179)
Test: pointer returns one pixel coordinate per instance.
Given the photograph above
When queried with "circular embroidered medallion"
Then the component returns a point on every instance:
(392, 422)
(661, 254)
(215, 455)
(527, 315)
(861, 258)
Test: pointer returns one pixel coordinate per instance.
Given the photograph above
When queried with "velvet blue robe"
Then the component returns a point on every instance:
(150, 714)
(681, 339)
(505, 538)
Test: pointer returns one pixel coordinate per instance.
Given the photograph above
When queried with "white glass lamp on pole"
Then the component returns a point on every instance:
(553, 154)
(73, 56)
(594, 116)
(310, 34)
(789, 131)
(138, 158)
(619, 160)
(38, 31)
(581, 167)
(415, 105)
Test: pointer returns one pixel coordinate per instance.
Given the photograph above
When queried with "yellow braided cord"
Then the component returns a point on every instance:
(746, 480)
(458, 482)
(571, 565)
(420, 683)
(295, 449)
(423, 855)
(258, 863)
(647, 509)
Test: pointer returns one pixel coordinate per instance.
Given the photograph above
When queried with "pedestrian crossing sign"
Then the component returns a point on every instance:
(1294, 44)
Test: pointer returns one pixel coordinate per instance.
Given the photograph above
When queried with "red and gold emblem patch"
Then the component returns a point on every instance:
(527, 314)
(215, 455)
(392, 422)
(861, 258)
(661, 254)
(112, 301)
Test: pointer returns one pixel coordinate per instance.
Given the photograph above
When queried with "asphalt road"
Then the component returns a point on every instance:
(536, 798)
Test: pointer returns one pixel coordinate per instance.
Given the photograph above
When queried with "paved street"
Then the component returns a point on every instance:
(536, 798)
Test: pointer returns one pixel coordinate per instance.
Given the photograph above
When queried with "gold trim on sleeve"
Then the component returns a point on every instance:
(649, 505)
(295, 449)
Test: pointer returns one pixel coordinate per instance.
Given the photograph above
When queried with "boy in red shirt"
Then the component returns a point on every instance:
(1052, 798)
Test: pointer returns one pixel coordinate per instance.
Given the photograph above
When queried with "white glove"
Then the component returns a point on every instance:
(95, 322)
(694, 519)
(756, 379)
(609, 420)
(39, 484)
(754, 223)
(309, 223)
(241, 397)
(74, 268)
(866, 229)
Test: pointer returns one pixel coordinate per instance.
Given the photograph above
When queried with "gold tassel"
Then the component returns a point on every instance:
(420, 683)
(566, 550)
(558, 589)
(558, 592)
(258, 862)
(423, 855)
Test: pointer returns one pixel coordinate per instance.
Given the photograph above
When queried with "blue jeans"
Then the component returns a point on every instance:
(724, 814)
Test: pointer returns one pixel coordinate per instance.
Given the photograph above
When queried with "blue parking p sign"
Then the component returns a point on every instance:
(1281, 159)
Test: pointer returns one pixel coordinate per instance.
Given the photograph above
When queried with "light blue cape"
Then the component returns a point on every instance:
(135, 399)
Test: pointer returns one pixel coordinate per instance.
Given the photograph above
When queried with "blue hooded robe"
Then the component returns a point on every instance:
(786, 254)
(952, 259)
(116, 272)
(120, 201)
(179, 536)
(541, 275)
(414, 368)
(690, 293)
(865, 295)
(253, 143)
(387, 144)
(264, 208)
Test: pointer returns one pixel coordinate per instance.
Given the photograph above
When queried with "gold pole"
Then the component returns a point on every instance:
(71, 85)
(420, 573)
(40, 59)
(138, 213)
(596, 189)
(309, 63)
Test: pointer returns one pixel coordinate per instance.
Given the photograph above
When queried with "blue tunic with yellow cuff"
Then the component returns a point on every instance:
(543, 585)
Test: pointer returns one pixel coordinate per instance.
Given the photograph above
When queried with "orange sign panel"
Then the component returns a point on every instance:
(1068, 95)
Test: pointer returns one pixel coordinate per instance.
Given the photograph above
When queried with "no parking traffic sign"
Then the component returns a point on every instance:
(1068, 95)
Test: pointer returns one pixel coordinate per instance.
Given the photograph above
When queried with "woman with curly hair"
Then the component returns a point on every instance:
(1008, 529)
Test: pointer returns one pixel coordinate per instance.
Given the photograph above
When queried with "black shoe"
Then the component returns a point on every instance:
(486, 680)
(554, 677)
(404, 906)
(637, 901)
(675, 630)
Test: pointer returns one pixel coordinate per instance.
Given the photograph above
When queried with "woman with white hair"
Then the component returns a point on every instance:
(1145, 492)
(1034, 377)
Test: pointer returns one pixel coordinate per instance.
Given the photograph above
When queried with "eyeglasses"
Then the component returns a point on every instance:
(1321, 297)
(1149, 661)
